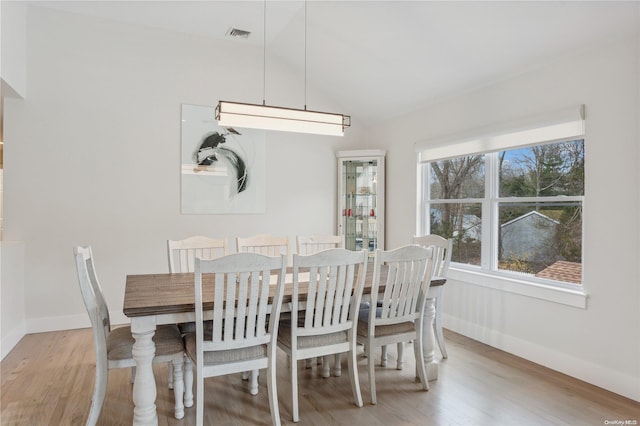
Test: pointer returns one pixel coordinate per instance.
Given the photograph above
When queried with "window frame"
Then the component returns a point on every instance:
(487, 274)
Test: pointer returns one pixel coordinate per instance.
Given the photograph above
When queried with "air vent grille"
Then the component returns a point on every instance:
(237, 33)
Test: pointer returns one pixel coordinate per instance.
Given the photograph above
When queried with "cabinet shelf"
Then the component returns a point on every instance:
(360, 217)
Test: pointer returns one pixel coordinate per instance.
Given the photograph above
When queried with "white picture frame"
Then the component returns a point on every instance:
(223, 170)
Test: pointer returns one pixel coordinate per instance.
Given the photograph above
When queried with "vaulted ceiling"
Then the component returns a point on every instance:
(377, 59)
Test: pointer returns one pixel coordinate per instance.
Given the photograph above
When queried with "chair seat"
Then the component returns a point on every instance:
(190, 327)
(167, 339)
(381, 330)
(221, 357)
(284, 338)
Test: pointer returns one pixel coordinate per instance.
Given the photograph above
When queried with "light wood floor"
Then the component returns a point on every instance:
(48, 380)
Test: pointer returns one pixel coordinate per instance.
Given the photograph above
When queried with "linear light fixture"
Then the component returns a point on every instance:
(255, 116)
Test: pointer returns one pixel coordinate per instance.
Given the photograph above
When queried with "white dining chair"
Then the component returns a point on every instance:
(181, 255)
(268, 245)
(243, 334)
(442, 258)
(114, 346)
(399, 316)
(310, 244)
(328, 316)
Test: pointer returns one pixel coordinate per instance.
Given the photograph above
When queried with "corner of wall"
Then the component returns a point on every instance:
(13, 312)
(10, 339)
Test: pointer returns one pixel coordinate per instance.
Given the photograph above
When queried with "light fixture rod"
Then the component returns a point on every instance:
(305, 54)
(264, 54)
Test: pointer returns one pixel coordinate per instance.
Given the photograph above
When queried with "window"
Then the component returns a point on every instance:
(533, 196)
(515, 211)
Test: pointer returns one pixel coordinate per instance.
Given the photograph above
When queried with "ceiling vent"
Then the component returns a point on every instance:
(237, 33)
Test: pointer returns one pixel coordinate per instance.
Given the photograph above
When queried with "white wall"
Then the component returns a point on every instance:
(599, 344)
(92, 155)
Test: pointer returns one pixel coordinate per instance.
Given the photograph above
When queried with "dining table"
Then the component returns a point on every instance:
(169, 298)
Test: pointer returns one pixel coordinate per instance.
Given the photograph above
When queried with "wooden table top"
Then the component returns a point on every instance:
(154, 294)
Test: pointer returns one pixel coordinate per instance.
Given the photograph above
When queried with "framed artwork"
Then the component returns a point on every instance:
(223, 170)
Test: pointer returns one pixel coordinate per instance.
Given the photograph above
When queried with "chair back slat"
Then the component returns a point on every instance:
(409, 274)
(336, 278)
(218, 297)
(241, 286)
(183, 253)
(311, 244)
(228, 307)
(345, 276)
(244, 304)
(320, 282)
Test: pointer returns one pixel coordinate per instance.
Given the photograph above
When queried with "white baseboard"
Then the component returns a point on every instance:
(69, 322)
(595, 374)
(11, 339)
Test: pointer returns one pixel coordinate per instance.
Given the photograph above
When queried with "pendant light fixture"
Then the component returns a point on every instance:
(237, 114)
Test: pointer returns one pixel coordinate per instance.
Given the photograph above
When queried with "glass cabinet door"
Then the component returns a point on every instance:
(361, 202)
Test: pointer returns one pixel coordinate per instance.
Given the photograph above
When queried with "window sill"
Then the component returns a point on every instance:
(571, 297)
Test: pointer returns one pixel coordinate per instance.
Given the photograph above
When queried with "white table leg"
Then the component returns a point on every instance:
(178, 388)
(144, 387)
(429, 341)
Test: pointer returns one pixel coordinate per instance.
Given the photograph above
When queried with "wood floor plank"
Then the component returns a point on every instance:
(48, 380)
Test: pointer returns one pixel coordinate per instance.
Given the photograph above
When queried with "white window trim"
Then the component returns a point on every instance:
(566, 124)
(563, 294)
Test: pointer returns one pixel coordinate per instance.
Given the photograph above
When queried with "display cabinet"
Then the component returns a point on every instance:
(361, 198)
